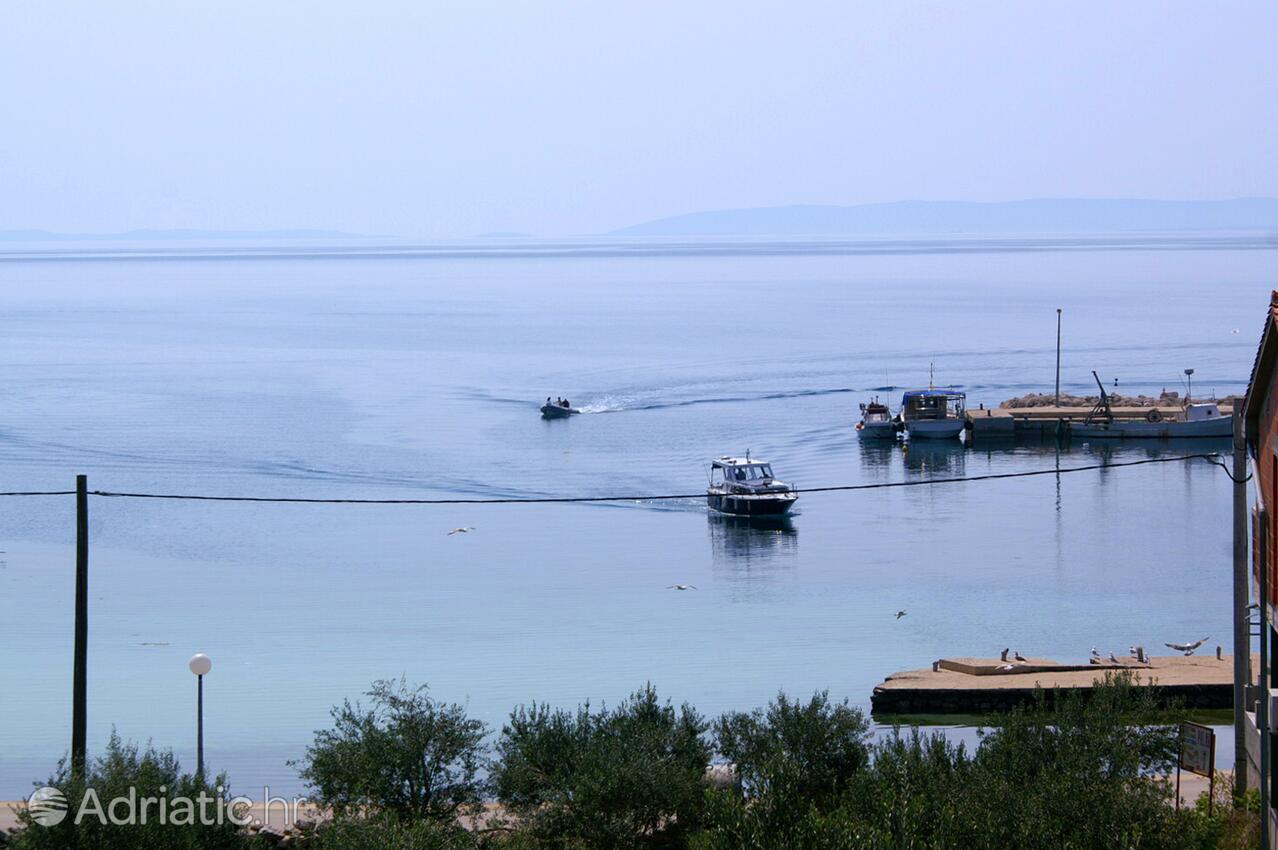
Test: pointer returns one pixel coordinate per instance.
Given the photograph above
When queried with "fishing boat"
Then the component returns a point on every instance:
(550, 410)
(933, 414)
(1194, 419)
(876, 422)
(745, 487)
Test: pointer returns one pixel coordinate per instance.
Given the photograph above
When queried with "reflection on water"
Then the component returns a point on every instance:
(740, 544)
(945, 458)
(878, 453)
(1109, 450)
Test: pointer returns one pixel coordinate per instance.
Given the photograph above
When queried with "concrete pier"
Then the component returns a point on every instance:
(980, 685)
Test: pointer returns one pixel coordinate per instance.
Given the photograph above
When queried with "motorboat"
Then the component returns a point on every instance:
(551, 410)
(876, 422)
(746, 487)
(933, 414)
(1194, 419)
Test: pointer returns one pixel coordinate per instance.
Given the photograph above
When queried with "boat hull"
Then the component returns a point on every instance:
(769, 505)
(1219, 427)
(554, 411)
(934, 429)
(876, 431)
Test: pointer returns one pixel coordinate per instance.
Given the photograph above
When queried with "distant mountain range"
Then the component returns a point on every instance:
(163, 235)
(1046, 215)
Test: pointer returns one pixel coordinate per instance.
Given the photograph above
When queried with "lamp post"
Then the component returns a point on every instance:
(200, 665)
(1189, 389)
(1058, 356)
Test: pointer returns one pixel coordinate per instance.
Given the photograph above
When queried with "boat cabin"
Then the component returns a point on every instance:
(732, 470)
(932, 404)
(1199, 411)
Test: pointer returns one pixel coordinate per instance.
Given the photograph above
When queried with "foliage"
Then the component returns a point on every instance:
(383, 832)
(124, 769)
(812, 749)
(626, 778)
(1228, 826)
(407, 755)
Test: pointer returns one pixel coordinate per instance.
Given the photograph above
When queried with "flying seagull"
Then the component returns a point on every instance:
(462, 530)
(1187, 648)
(682, 587)
(900, 614)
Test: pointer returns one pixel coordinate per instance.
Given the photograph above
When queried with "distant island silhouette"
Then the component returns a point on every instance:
(1045, 215)
(143, 235)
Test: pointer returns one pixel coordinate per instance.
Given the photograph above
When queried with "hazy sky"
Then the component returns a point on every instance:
(433, 119)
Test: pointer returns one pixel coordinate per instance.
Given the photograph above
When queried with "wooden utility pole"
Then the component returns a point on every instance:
(78, 685)
(1242, 618)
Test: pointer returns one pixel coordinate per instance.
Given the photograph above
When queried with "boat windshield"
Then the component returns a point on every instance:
(753, 472)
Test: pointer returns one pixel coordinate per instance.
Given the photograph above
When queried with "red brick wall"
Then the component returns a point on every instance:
(1267, 480)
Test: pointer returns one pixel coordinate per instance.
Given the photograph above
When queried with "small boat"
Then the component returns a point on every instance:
(745, 487)
(1194, 419)
(557, 411)
(933, 414)
(876, 422)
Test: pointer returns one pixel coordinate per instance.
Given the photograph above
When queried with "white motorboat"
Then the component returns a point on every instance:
(1200, 419)
(745, 487)
(876, 422)
(933, 414)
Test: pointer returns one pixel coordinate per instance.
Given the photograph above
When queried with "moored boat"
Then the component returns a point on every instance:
(933, 414)
(876, 422)
(1200, 419)
(745, 487)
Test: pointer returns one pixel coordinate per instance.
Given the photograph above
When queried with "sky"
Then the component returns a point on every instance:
(424, 119)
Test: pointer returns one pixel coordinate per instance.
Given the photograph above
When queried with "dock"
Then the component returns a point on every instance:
(982, 685)
(1041, 423)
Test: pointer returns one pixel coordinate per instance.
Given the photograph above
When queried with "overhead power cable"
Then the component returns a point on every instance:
(1211, 457)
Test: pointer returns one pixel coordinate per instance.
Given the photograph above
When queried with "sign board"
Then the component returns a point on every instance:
(1197, 748)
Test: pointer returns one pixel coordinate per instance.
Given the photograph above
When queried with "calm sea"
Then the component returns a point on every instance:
(417, 373)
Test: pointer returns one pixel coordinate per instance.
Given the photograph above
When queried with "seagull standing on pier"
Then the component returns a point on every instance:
(1096, 656)
(1017, 655)
(1112, 658)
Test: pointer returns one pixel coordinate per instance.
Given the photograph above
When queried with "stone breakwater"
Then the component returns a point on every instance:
(1164, 399)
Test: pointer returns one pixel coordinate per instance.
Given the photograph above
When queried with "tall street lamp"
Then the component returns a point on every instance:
(200, 665)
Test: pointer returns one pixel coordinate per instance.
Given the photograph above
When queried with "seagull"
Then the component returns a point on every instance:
(682, 587)
(1187, 648)
(900, 614)
(463, 530)
(1235, 330)
(1131, 650)
(1112, 658)
(1096, 656)
(1017, 655)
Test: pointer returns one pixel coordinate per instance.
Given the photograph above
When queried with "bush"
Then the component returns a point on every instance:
(812, 748)
(406, 756)
(626, 778)
(148, 773)
(388, 833)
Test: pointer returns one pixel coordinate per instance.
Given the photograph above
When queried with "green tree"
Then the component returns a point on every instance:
(124, 771)
(812, 749)
(406, 755)
(630, 777)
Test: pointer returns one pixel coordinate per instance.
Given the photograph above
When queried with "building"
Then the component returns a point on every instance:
(1260, 412)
